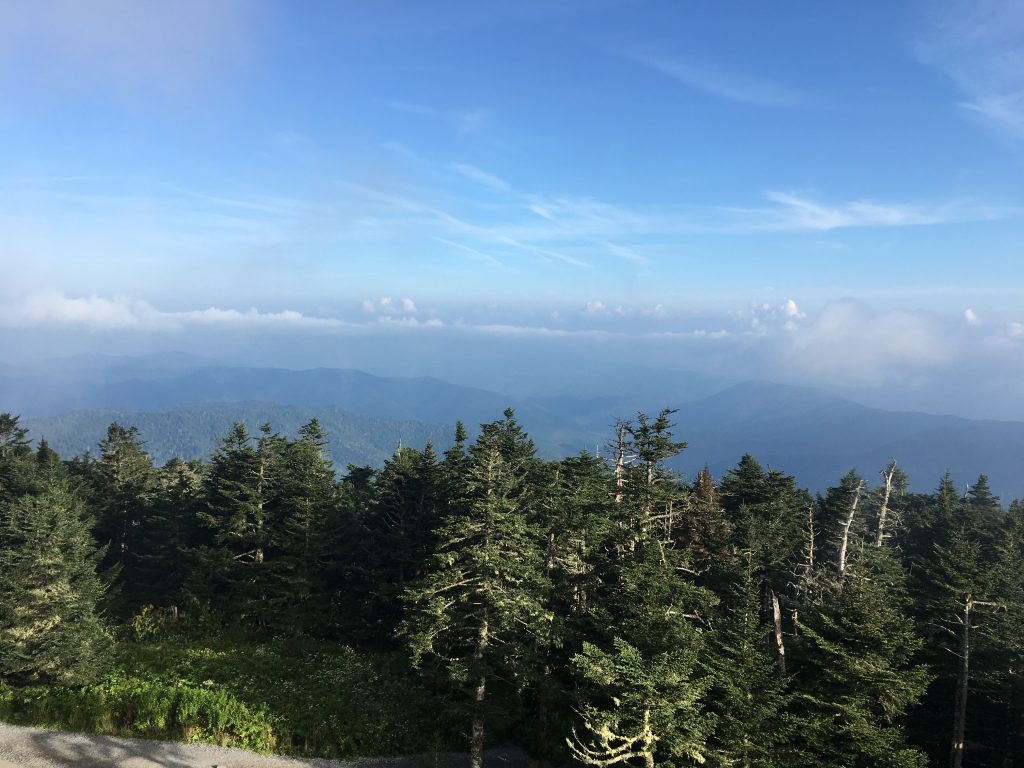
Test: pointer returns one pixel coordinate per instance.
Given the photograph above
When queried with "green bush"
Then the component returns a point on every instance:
(293, 696)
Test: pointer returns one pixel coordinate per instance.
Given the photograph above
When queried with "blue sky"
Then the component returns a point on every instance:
(836, 186)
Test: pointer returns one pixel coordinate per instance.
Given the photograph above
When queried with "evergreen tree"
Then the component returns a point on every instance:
(643, 707)
(169, 535)
(50, 629)
(859, 676)
(304, 496)
(480, 606)
(125, 484)
(238, 492)
(16, 470)
(749, 697)
(650, 615)
(406, 509)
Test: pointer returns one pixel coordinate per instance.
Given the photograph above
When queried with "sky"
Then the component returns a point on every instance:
(503, 193)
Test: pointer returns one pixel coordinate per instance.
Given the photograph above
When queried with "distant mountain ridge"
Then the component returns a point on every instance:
(193, 432)
(812, 434)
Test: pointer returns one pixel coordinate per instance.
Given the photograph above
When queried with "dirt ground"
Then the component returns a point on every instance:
(42, 748)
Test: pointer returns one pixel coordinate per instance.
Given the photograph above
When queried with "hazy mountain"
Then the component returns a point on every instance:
(182, 406)
(193, 432)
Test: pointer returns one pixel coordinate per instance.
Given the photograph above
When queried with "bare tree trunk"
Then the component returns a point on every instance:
(810, 537)
(620, 461)
(956, 756)
(648, 741)
(887, 475)
(845, 541)
(476, 739)
(780, 644)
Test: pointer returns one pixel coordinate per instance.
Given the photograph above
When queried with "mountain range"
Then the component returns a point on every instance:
(182, 405)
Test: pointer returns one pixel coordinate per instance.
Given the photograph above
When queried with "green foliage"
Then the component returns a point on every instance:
(480, 607)
(602, 611)
(50, 631)
(295, 697)
(650, 707)
(125, 481)
(859, 677)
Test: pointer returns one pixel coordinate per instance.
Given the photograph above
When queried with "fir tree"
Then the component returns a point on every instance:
(304, 497)
(125, 483)
(480, 606)
(859, 675)
(641, 707)
(50, 629)
(238, 492)
(169, 535)
(750, 695)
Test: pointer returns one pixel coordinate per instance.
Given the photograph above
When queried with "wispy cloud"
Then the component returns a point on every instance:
(465, 121)
(731, 86)
(625, 253)
(800, 212)
(473, 252)
(980, 46)
(481, 177)
(793, 212)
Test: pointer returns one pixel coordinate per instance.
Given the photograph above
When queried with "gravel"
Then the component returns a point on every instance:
(44, 748)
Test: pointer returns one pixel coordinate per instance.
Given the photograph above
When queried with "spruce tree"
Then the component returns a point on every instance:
(405, 511)
(750, 695)
(480, 606)
(50, 628)
(651, 615)
(125, 485)
(859, 674)
(640, 706)
(169, 534)
(304, 496)
(233, 574)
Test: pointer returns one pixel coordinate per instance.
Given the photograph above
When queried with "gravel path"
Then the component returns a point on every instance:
(43, 748)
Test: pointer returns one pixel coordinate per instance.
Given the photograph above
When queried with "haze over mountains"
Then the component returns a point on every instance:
(182, 405)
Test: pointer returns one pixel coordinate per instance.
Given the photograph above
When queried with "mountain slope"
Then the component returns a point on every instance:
(193, 432)
(181, 406)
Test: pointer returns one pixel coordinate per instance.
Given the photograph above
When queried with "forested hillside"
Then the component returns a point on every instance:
(182, 407)
(597, 611)
(193, 432)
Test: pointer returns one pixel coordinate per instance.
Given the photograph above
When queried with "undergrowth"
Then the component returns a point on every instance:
(291, 696)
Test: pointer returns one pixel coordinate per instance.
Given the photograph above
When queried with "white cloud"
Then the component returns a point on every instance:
(791, 310)
(978, 45)
(731, 86)
(848, 343)
(625, 253)
(481, 177)
(803, 213)
(53, 309)
(386, 306)
(971, 317)
(465, 121)
(598, 308)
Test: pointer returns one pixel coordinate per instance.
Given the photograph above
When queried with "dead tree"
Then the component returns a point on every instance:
(887, 475)
(608, 747)
(966, 613)
(780, 643)
(844, 540)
